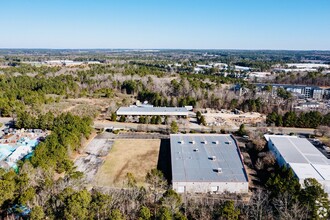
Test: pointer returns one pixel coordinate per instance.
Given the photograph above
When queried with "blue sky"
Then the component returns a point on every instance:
(182, 24)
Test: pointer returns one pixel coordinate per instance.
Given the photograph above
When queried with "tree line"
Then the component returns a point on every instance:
(311, 119)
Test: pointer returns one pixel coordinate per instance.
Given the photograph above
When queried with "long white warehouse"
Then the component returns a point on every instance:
(203, 163)
(151, 111)
(302, 157)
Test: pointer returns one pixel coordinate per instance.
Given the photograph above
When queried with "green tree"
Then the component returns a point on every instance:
(233, 103)
(37, 213)
(99, 206)
(116, 215)
(272, 118)
(113, 116)
(316, 199)
(166, 120)
(171, 200)
(241, 131)
(202, 120)
(7, 185)
(77, 205)
(130, 86)
(142, 120)
(282, 181)
(198, 115)
(153, 120)
(283, 93)
(279, 121)
(174, 127)
(158, 120)
(179, 216)
(267, 88)
(228, 211)
(164, 214)
(290, 119)
(122, 118)
(27, 196)
(144, 213)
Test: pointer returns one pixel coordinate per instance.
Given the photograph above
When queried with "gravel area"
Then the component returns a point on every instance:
(90, 162)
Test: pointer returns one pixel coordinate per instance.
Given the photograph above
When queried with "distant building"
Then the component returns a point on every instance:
(203, 163)
(259, 74)
(309, 105)
(327, 93)
(304, 91)
(301, 67)
(318, 93)
(302, 157)
(61, 63)
(242, 68)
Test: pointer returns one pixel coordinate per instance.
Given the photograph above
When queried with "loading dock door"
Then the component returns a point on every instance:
(214, 188)
(181, 189)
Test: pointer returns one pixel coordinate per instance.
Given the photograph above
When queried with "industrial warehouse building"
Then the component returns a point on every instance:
(152, 111)
(203, 163)
(302, 157)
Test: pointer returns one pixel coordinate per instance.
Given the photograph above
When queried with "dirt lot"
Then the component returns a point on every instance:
(91, 107)
(129, 155)
(229, 119)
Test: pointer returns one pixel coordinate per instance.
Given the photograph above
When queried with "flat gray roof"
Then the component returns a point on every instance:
(179, 111)
(297, 150)
(305, 160)
(192, 165)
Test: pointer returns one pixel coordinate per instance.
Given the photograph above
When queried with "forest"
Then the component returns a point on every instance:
(26, 87)
(310, 78)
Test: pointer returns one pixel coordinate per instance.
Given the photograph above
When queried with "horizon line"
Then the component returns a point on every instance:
(200, 49)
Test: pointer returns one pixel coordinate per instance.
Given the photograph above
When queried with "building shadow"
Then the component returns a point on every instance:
(164, 159)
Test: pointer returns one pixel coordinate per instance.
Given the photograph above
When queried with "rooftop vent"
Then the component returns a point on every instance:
(192, 142)
(181, 142)
(212, 158)
(228, 142)
(218, 170)
(196, 150)
(204, 142)
(215, 142)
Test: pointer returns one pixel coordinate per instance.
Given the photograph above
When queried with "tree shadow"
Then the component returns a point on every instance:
(164, 159)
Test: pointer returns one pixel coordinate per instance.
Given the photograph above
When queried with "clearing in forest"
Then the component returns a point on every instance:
(136, 156)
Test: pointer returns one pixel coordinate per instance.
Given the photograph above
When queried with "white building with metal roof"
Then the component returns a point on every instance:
(302, 157)
(203, 163)
(151, 111)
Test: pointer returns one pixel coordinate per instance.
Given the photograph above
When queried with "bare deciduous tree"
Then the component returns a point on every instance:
(323, 130)
(289, 208)
(259, 208)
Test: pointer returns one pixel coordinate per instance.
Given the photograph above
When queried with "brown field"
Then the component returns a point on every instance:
(136, 156)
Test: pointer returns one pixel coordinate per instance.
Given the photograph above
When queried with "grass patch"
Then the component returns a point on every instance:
(136, 156)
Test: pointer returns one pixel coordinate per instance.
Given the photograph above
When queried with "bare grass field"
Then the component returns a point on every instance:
(136, 156)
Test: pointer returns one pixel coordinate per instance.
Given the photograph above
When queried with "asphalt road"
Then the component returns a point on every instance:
(5, 120)
(135, 126)
(197, 128)
(131, 135)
